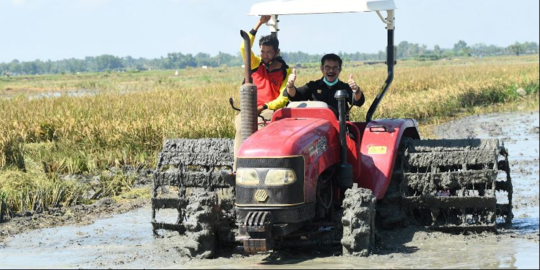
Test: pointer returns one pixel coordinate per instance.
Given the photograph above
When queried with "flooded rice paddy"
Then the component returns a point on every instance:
(126, 240)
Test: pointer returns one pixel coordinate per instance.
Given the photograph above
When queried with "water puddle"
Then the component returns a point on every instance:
(49, 94)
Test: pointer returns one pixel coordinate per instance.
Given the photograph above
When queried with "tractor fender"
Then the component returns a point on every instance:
(379, 150)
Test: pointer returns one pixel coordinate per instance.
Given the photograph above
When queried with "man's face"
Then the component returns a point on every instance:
(331, 70)
(267, 53)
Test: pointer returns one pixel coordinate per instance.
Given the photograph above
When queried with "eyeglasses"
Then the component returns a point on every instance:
(329, 68)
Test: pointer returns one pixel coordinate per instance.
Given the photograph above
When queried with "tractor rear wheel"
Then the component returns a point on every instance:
(187, 179)
(390, 213)
(358, 222)
(453, 185)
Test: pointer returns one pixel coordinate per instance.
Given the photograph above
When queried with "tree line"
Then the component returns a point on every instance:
(405, 50)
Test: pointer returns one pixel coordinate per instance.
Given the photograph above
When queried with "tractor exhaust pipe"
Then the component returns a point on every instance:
(345, 169)
(248, 94)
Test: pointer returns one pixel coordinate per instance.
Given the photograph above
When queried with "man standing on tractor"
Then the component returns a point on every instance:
(325, 88)
(270, 74)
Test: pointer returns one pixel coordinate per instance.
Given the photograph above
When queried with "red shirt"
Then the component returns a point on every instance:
(268, 83)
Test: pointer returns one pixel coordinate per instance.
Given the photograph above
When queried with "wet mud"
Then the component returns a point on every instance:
(126, 240)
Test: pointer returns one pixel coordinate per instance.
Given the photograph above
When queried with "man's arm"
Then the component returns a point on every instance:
(255, 60)
(264, 19)
(360, 101)
(358, 95)
(303, 93)
(291, 89)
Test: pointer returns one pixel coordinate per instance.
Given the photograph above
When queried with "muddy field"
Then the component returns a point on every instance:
(126, 241)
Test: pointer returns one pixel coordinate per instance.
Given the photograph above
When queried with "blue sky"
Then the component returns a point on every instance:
(60, 29)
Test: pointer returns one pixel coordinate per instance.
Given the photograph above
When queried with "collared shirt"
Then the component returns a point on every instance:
(320, 91)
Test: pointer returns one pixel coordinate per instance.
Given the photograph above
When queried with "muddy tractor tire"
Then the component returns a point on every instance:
(452, 185)
(358, 222)
(390, 213)
(201, 225)
(187, 179)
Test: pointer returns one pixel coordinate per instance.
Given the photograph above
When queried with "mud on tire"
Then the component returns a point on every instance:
(390, 213)
(187, 179)
(358, 222)
(201, 226)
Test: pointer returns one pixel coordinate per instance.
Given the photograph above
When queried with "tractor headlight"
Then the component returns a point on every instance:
(247, 177)
(280, 177)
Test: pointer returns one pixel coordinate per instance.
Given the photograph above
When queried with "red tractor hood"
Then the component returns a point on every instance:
(288, 137)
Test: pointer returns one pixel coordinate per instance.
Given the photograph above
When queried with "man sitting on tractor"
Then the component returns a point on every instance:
(270, 74)
(325, 88)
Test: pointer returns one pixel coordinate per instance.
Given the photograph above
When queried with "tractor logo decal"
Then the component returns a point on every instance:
(376, 150)
(261, 196)
(318, 147)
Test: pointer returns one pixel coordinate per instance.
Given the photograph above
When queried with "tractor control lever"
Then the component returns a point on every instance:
(231, 101)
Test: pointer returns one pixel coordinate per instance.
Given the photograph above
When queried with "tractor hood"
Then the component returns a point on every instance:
(290, 137)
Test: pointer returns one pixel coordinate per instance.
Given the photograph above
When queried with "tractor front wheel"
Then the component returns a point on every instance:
(358, 222)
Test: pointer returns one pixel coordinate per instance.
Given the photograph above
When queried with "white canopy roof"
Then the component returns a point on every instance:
(297, 7)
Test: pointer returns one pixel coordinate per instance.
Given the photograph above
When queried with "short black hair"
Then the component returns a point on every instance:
(332, 57)
(269, 40)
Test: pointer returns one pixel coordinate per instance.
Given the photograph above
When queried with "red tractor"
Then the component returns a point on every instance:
(311, 178)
